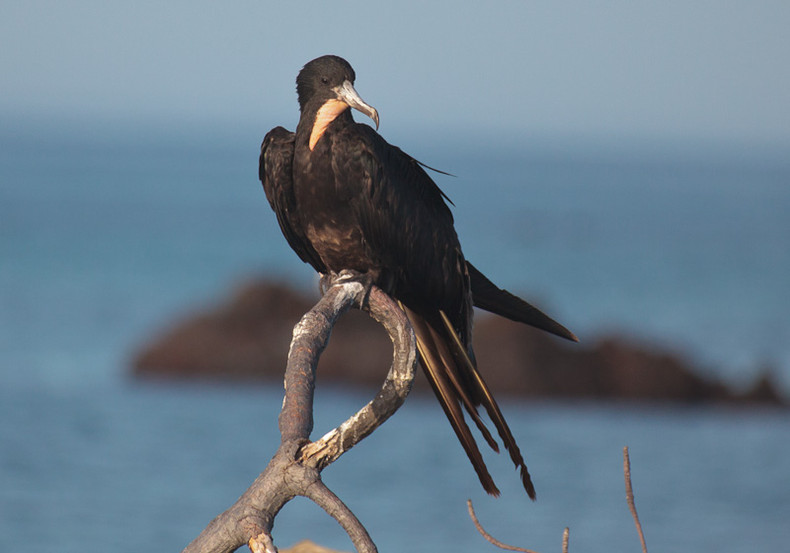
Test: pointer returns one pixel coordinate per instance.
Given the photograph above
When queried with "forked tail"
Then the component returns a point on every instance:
(456, 381)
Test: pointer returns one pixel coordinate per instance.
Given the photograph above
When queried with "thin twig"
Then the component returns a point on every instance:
(488, 536)
(565, 539)
(629, 495)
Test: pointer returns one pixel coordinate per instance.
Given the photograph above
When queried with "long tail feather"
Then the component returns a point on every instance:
(436, 372)
(462, 390)
(492, 408)
(486, 295)
(456, 381)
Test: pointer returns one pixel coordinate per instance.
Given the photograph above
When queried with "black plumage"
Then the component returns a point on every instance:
(346, 199)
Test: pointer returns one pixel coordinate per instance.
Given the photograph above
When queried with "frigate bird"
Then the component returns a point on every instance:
(345, 199)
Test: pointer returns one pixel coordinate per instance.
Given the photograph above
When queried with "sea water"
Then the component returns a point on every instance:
(105, 240)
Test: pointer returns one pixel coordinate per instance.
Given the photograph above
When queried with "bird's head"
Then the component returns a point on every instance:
(328, 83)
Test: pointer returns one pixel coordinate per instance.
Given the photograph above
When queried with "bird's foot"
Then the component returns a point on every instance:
(328, 280)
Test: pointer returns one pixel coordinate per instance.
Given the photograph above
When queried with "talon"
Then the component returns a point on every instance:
(324, 282)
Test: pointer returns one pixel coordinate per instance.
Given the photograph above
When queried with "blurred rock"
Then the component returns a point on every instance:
(248, 337)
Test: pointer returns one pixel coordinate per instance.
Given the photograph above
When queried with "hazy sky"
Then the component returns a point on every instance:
(671, 70)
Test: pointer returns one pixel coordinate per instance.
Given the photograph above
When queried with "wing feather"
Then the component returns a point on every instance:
(423, 255)
(275, 170)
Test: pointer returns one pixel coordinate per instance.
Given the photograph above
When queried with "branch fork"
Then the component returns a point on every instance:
(295, 470)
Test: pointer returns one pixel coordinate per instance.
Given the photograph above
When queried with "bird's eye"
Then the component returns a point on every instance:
(325, 80)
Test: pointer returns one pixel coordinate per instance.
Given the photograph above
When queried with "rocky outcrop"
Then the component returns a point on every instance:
(248, 337)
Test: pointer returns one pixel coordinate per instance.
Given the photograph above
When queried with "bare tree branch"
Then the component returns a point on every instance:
(295, 468)
(391, 396)
(629, 495)
(488, 536)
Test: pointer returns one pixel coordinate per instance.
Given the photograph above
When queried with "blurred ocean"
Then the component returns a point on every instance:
(106, 237)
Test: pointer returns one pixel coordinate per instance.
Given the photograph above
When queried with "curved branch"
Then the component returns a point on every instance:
(491, 539)
(393, 392)
(295, 468)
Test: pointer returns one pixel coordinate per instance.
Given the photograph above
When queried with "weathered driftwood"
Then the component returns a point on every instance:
(295, 468)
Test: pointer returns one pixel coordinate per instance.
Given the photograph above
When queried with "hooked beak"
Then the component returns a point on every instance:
(346, 93)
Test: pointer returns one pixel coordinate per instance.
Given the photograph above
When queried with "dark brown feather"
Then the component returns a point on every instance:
(492, 408)
(490, 297)
(437, 373)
